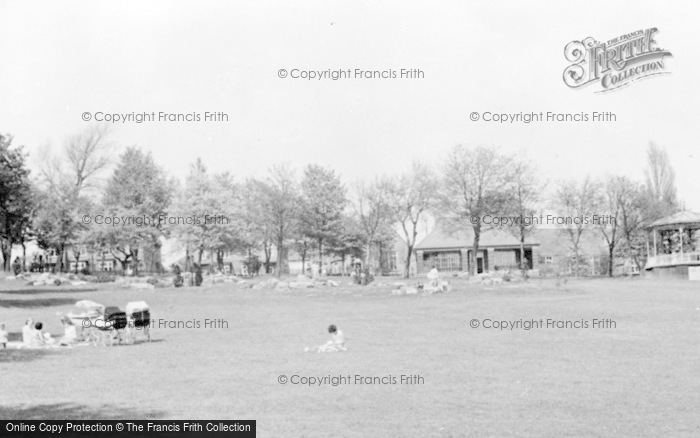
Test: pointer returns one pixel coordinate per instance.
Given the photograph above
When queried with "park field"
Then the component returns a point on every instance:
(637, 373)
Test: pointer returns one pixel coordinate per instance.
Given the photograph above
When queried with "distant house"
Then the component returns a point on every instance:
(105, 261)
(92, 261)
(546, 251)
(236, 264)
(452, 252)
(232, 263)
(556, 254)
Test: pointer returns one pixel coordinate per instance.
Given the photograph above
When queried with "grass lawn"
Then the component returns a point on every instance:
(641, 378)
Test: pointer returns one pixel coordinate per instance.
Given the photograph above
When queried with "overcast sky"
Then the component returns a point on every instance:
(61, 59)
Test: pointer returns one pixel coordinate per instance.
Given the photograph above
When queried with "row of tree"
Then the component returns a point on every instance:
(313, 212)
(481, 181)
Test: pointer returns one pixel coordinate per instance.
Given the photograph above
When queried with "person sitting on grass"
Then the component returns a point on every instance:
(3, 336)
(179, 281)
(70, 335)
(27, 331)
(434, 277)
(336, 343)
(36, 338)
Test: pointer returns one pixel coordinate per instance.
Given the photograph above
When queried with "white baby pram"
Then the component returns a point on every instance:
(138, 317)
(90, 323)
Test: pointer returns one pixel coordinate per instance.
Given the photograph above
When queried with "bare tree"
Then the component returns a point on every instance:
(476, 183)
(84, 156)
(527, 193)
(411, 196)
(575, 202)
(631, 215)
(373, 212)
(88, 153)
(611, 203)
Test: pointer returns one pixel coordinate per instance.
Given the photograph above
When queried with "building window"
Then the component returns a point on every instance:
(504, 259)
(444, 261)
(549, 260)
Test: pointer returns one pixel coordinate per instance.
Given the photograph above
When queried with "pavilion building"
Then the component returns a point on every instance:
(673, 246)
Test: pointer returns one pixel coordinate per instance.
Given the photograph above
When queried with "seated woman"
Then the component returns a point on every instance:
(27, 332)
(36, 338)
(70, 334)
(434, 277)
(335, 344)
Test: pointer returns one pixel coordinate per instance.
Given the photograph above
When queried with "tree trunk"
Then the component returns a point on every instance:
(320, 257)
(407, 267)
(611, 249)
(303, 262)
(369, 247)
(135, 257)
(220, 259)
(473, 267)
(59, 258)
(381, 258)
(523, 262)
(267, 249)
(280, 243)
(24, 256)
(6, 255)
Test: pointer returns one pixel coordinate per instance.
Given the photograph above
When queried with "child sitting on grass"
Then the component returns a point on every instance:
(37, 337)
(336, 343)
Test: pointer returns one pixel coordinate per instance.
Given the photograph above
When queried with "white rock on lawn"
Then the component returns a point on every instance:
(142, 286)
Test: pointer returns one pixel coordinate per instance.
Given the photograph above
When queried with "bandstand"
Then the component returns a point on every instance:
(673, 246)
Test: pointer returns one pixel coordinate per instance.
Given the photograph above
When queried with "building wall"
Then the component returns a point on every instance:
(489, 259)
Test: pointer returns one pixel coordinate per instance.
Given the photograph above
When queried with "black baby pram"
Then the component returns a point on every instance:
(138, 316)
(115, 323)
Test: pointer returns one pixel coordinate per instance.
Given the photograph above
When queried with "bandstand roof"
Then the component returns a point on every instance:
(677, 219)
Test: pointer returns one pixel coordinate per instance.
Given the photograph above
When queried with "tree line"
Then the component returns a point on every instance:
(309, 210)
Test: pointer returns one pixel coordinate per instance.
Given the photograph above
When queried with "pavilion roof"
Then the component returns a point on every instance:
(681, 218)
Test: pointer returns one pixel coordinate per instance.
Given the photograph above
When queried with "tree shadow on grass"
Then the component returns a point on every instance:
(38, 302)
(14, 336)
(45, 291)
(74, 411)
(14, 355)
